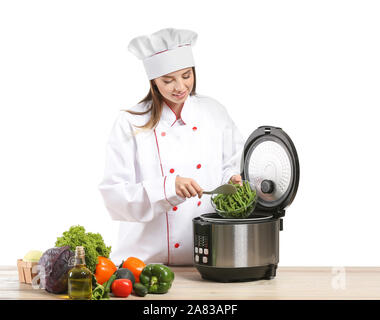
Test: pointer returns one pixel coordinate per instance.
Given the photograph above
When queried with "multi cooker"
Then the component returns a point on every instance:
(247, 249)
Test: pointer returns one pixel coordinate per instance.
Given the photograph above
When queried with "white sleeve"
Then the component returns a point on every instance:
(233, 146)
(125, 198)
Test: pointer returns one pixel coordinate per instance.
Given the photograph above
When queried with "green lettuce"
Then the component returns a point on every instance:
(93, 244)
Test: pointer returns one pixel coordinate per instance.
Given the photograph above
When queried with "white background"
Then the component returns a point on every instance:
(310, 67)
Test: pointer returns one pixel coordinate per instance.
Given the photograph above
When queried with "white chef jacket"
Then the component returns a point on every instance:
(138, 187)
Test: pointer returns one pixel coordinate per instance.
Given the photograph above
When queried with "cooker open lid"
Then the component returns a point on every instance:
(270, 162)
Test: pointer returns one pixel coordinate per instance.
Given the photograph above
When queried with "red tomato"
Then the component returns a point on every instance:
(121, 287)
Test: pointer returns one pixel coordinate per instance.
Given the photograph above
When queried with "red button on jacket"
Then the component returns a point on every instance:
(163, 134)
(175, 208)
(199, 166)
(176, 245)
(171, 170)
(199, 203)
(195, 128)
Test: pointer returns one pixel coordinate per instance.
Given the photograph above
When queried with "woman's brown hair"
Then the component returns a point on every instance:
(154, 96)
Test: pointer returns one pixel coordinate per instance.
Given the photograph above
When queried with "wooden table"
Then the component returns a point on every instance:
(301, 283)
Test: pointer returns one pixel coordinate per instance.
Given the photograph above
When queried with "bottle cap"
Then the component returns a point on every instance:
(79, 251)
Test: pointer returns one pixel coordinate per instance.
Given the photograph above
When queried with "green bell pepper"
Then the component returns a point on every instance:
(157, 278)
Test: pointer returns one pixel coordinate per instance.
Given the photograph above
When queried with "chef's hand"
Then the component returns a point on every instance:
(236, 179)
(187, 187)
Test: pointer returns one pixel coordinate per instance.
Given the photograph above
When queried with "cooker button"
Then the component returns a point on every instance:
(200, 250)
(204, 259)
(196, 249)
(196, 258)
(205, 251)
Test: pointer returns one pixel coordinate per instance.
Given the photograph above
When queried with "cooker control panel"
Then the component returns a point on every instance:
(202, 244)
(201, 249)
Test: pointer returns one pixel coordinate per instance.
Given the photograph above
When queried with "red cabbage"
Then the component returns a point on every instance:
(54, 268)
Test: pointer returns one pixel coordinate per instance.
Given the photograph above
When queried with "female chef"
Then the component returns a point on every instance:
(163, 152)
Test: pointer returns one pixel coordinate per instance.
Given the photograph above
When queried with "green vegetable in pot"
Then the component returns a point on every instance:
(157, 278)
(237, 205)
(93, 244)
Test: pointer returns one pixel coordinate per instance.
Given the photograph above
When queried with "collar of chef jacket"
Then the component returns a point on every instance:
(169, 117)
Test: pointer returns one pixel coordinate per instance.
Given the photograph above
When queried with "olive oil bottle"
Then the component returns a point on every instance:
(80, 278)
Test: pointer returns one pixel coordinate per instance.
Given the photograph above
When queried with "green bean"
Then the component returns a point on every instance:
(238, 204)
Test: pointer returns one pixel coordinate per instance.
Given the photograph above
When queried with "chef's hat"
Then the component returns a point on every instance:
(164, 51)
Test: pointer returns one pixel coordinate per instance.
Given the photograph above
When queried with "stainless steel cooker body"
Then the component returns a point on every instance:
(245, 245)
(236, 251)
